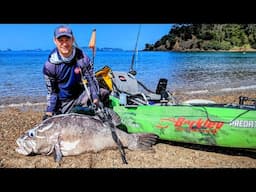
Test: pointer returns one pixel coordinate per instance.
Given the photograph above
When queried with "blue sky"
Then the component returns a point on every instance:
(33, 36)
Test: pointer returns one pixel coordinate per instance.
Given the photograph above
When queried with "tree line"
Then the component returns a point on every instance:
(207, 37)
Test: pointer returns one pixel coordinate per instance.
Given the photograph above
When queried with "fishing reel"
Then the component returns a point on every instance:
(102, 112)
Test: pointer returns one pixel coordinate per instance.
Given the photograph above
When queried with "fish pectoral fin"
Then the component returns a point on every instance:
(57, 153)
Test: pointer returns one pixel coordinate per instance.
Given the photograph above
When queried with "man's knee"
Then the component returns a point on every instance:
(104, 97)
(104, 92)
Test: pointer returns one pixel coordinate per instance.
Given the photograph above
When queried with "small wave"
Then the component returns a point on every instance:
(196, 92)
(238, 88)
(27, 104)
(229, 89)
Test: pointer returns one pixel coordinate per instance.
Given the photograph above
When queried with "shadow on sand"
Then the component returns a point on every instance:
(216, 149)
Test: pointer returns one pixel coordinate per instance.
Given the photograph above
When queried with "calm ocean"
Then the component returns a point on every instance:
(21, 71)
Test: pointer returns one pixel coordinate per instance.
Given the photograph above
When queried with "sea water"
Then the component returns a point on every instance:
(190, 72)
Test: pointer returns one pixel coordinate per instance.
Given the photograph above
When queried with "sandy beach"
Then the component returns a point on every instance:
(15, 119)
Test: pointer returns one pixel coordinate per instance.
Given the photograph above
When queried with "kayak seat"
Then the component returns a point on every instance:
(126, 83)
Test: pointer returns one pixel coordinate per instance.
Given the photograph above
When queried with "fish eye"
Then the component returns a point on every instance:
(31, 133)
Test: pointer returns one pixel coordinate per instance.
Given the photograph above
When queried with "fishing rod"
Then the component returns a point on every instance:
(84, 81)
(102, 112)
(132, 71)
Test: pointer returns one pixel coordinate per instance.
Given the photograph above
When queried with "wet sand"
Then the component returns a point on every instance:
(17, 119)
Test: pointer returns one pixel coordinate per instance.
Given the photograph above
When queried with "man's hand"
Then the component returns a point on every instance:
(96, 102)
(47, 115)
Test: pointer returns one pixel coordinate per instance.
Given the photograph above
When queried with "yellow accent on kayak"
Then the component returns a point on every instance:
(104, 77)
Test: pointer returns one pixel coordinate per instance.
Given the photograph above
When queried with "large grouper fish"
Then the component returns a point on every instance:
(73, 134)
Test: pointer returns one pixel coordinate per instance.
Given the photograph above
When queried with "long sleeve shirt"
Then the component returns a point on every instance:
(63, 79)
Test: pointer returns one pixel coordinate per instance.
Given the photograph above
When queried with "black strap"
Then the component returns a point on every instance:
(106, 117)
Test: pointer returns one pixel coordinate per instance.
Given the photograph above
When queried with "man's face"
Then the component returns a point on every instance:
(64, 45)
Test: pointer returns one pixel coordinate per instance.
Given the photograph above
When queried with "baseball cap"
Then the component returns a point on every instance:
(63, 30)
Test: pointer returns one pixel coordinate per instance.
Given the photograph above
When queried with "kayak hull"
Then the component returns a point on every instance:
(207, 125)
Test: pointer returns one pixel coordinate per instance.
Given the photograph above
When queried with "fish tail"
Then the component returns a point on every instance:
(144, 141)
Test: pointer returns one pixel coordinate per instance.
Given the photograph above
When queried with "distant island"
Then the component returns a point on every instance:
(84, 48)
(207, 37)
(103, 49)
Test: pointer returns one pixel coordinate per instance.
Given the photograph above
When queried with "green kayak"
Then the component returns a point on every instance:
(206, 124)
(195, 121)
